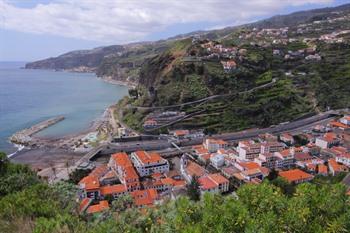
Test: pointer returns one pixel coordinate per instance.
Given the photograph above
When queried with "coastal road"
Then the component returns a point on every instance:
(161, 144)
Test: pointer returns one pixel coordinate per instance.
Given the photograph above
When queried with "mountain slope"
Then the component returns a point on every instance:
(279, 69)
(309, 63)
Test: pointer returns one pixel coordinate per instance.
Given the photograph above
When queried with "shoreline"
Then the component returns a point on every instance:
(39, 156)
(110, 80)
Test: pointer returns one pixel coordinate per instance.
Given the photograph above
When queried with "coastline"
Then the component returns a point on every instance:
(53, 151)
(110, 80)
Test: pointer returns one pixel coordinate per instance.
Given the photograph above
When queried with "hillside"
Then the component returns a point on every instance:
(303, 58)
(81, 60)
(307, 65)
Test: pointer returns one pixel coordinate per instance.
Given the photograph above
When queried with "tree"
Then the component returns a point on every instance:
(273, 174)
(193, 190)
(122, 203)
(78, 174)
(3, 162)
(286, 187)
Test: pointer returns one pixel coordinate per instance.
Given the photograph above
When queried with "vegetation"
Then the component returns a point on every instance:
(193, 190)
(37, 207)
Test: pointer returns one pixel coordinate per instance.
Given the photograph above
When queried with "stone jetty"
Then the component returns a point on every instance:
(24, 137)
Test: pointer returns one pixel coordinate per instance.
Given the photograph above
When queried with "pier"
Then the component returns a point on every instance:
(24, 137)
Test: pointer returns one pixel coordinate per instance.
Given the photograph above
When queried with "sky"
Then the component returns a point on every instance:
(37, 29)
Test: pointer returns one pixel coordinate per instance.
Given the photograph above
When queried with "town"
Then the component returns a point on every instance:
(144, 178)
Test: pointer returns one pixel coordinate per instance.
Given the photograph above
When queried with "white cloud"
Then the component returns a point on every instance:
(132, 20)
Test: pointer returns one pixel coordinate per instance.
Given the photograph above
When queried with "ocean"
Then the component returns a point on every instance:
(30, 96)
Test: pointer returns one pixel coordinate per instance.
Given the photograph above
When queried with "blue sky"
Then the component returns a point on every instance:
(37, 29)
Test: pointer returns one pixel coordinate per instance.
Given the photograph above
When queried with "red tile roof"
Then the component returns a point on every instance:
(130, 173)
(217, 178)
(144, 197)
(122, 159)
(148, 157)
(193, 169)
(249, 165)
(84, 204)
(336, 166)
(212, 181)
(90, 183)
(181, 132)
(207, 183)
(103, 205)
(295, 175)
(322, 169)
(339, 124)
(99, 171)
(113, 189)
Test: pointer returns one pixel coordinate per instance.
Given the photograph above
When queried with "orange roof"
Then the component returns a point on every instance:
(287, 135)
(181, 132)
(207, 183)
(103, 205)
(111, 189)
(339, 124)
(250, 172)
(168, 181)
(197, 146)
(323, 169)
(146, 157)
(212, 181)
(130, 173)
(122, 159)
(285, 153)
(216, 141)
(201, 151)
(90, 183)
(157, 176)
(330, 136)
(99, 171)
(295, 175)
(205, 157)
(217, 178)
(144, 197)
(84, 204)
(339, 149)
(336, 166)
(179, 183)
(311, 166)
(194, 169)
(249, 165)
(109, 175)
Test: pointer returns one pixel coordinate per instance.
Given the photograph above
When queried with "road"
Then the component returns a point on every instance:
(204, 99)
(162, 144)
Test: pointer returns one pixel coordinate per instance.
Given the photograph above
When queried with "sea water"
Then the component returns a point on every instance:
(28, 97)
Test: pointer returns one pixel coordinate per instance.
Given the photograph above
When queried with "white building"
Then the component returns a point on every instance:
(266, 160)
(213, 145)
(148, 163)
(327, 141)
(284, 159)
(345, 120)
(343, 159)
(270, 147)
(248, 150)
(217, 160)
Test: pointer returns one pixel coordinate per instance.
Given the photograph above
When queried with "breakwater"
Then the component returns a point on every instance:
(24, 137)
